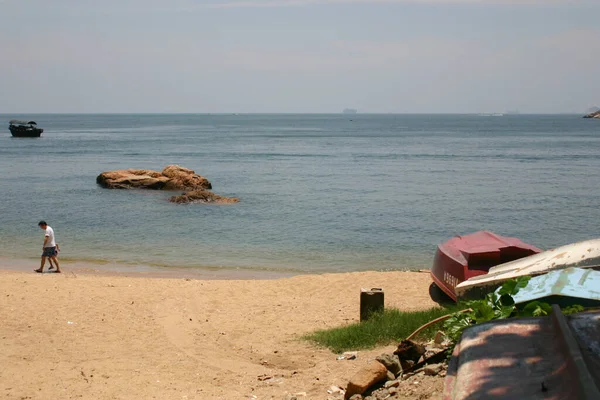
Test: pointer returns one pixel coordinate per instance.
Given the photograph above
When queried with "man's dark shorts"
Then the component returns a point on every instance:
(49, 252)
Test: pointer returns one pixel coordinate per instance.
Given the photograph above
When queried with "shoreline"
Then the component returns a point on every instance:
(95, 336)
(146, 271)
(150, 271)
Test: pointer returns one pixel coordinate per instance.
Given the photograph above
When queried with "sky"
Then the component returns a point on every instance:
(299, 56)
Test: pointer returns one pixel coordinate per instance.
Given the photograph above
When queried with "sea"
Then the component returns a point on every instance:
(319, 193)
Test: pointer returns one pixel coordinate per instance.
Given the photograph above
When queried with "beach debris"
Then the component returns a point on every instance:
(439, 338)
(391, 383)
(433, 369)
(294, 396)
(409, 351)
(348, 355)
(371, 301)
(372, 373)
(335, 389)
(391, 362)
(398, 377)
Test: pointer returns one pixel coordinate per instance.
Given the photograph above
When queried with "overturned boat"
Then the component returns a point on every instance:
(565, 287)
(584, 254)
(20, 128)
(550, 357)
(465, 257)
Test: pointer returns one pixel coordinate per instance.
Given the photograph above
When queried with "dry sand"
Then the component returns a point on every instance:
(90, 336)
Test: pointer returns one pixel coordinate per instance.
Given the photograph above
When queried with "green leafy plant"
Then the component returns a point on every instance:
(575, 308)
(495, 305)
(499, 304)
(536, 309)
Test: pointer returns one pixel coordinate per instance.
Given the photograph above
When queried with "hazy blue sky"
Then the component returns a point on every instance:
(299, 55)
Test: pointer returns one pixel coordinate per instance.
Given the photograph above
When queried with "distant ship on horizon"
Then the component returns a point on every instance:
(349, 111)
(491, 114)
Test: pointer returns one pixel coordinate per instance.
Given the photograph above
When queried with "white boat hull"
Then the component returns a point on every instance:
(584, 254)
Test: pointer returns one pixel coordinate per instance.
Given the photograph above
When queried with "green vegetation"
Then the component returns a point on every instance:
(392, 326)
(499, 305)
(575, 308)
(389, 326)
(494, 306)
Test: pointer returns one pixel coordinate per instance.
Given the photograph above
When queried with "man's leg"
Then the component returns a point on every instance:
(43, 262)
(53, 258)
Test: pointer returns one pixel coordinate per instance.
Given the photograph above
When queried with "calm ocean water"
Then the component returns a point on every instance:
(319, 193)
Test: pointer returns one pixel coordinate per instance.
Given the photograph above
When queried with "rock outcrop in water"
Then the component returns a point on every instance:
(202, 196)
(173, 177)
(595, 114)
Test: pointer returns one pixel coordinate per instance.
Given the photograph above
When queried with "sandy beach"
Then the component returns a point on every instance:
(85, 334)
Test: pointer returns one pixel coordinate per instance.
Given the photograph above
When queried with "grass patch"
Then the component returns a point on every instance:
(389, 326)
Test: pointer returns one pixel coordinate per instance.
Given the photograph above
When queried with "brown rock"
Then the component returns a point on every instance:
(409, 351)
(433, 369)
(132, 178)
(173, 177)
(202, 196)
(369, 375)
(183, 178)
(391, 362)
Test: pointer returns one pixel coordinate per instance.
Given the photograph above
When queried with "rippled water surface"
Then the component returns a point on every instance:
(319, 193)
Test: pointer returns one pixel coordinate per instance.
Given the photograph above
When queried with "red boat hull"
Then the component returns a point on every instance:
(463, 257)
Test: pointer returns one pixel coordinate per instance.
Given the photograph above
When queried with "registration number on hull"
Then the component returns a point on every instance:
(450, 279)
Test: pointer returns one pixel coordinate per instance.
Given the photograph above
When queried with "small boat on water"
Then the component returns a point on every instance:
(465, 257)
(584, 254)
(20, 128)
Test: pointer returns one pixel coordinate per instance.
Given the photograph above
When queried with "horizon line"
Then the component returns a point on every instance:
(506, 113)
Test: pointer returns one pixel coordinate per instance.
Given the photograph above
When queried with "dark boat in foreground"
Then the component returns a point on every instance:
(464, 257)
(24, 128)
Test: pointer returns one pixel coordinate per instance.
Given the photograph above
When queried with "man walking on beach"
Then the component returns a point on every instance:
(49, 247)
